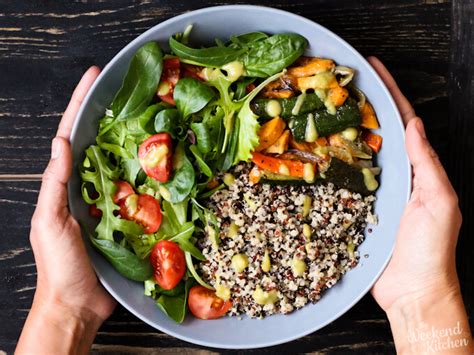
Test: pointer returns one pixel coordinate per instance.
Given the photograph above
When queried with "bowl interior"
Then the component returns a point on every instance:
(228, 332)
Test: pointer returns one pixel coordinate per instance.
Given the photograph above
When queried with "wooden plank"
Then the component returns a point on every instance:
(461, 145)
(45, 49)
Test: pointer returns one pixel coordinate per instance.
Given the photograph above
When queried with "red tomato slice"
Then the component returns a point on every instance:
(149, 213)
(155, 155)
(204, 303)
(143, 209)
(94, 211)
(169, 78)
(192, 71)
(124, 189)
(167, 260)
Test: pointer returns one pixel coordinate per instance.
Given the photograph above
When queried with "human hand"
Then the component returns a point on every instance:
(421, 275)
(68, 295)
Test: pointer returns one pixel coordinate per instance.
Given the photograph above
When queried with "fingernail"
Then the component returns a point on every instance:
(55, 149)
(420, 127)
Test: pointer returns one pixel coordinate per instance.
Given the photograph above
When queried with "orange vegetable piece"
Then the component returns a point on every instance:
(270, 132)
(293, 168)
(281, 145)
(338, 95)
(308, 66)
(373, 140)
(322, 142)
(369, 119)
(255, 175)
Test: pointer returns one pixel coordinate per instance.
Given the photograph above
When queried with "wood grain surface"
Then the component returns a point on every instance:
(45, 46)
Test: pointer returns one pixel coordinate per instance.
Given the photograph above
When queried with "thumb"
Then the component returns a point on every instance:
(429, 174)
(52, 199)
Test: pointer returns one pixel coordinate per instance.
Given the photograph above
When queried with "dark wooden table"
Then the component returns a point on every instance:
(45, 46)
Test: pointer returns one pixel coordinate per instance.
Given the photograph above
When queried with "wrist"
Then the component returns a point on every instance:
(61, 327)
(434, 321)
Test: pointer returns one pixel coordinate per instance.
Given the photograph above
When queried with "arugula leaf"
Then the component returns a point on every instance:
(206, 170)
(191, 95)
(175, 306)
(182, 181)
(213, 56)
(140, 82)
(248, 125)
(131, 167)
(98, 171)
(124, 261)
(183, 239)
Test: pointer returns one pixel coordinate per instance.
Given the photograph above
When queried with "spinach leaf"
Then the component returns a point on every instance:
(191, 95)
(182, 181)
(246, 38)
(206, 170)
(273, 54)
(166, 121)
(140, 82)
(124, 261)
(212, 56)
(100, 172)
(175, 306)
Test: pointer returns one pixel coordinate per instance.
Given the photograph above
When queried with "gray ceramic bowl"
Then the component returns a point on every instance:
(392, 196)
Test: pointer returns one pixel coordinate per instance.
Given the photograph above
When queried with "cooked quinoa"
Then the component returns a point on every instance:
(297, 241)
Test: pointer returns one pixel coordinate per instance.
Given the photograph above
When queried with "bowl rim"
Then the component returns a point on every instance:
(308, 22)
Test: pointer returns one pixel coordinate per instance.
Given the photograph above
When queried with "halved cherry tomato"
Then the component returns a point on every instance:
(167, 260)
(169, 78)
(193, 71)
(94, 211)
(143, 209)
(204, 303)
(124, 189)
(155, 155)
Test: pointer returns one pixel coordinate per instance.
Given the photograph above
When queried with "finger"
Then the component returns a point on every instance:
(52, 198)
(427, 168)
(404, 106)
(65, 126)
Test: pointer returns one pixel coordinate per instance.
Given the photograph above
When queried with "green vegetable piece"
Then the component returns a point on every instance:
(273, 54)
(211, 56)
(124, 261)
(206, 170)
(182, 181)
(347, 115)
(341, 174)
(166, 121)
(183, 239)
(140, 82)
(102, 175)
(248, 125)
(175, 306)
(191, 95)
(203, 137)
(311, 103)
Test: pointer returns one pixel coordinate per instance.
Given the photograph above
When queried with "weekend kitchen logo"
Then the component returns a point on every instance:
(434, 340)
